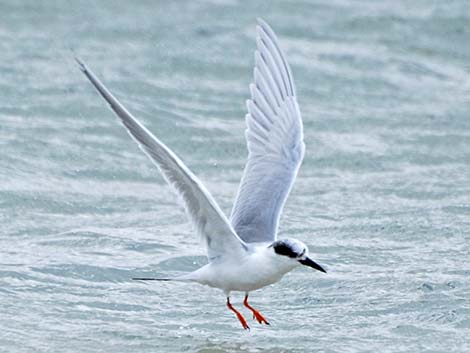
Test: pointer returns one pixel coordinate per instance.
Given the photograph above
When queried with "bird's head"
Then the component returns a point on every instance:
(294, 251)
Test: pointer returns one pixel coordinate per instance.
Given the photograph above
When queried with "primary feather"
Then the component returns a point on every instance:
(274, 137)
(210, 222)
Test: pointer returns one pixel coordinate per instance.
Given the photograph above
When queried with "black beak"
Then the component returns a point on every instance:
(309, 262)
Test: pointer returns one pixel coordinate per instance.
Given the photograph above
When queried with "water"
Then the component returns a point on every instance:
(382, 199)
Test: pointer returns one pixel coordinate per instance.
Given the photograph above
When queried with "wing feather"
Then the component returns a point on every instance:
(204, 213)
(274, 138)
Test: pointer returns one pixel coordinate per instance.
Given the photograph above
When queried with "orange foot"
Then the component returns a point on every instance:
(239, 316)
(256, 313)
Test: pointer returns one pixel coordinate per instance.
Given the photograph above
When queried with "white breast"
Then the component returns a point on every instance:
(255, 270)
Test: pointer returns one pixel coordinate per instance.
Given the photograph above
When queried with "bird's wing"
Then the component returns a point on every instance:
(275, 144)
(202, 210)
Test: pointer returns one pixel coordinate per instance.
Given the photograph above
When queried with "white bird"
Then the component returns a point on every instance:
(244, 253)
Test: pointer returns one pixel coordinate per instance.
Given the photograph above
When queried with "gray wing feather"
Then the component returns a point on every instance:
(275, 144)
(202, 210)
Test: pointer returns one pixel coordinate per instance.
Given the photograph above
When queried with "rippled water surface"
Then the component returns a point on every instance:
(382, 198)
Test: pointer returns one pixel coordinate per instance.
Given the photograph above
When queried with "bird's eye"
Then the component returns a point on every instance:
(302, 253)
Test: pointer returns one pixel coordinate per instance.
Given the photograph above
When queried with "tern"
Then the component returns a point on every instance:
(243, 253)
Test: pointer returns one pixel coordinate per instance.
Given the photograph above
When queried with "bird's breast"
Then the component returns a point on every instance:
(247, 274)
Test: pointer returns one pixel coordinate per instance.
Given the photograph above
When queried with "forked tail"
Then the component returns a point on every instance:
(187, 277)
(183, 278)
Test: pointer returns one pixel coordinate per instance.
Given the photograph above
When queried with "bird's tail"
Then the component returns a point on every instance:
(183, 278)
(187, 277)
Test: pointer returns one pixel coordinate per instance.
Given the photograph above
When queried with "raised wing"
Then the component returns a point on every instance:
(274, 138)
(202, 210)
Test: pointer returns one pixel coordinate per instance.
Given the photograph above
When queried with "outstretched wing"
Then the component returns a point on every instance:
(202, 210)
(274, 138)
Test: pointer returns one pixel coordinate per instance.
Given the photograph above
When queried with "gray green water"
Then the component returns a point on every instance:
(382, 199)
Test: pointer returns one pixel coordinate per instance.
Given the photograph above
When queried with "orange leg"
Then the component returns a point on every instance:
(239, 316)
(256, 313)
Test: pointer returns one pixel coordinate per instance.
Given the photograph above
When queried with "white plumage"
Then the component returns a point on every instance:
(243, 254)
(275, 143)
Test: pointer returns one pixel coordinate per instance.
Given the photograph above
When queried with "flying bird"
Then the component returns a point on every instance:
(244, 253)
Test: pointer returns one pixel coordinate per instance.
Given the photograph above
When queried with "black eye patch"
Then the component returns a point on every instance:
(285, 249)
